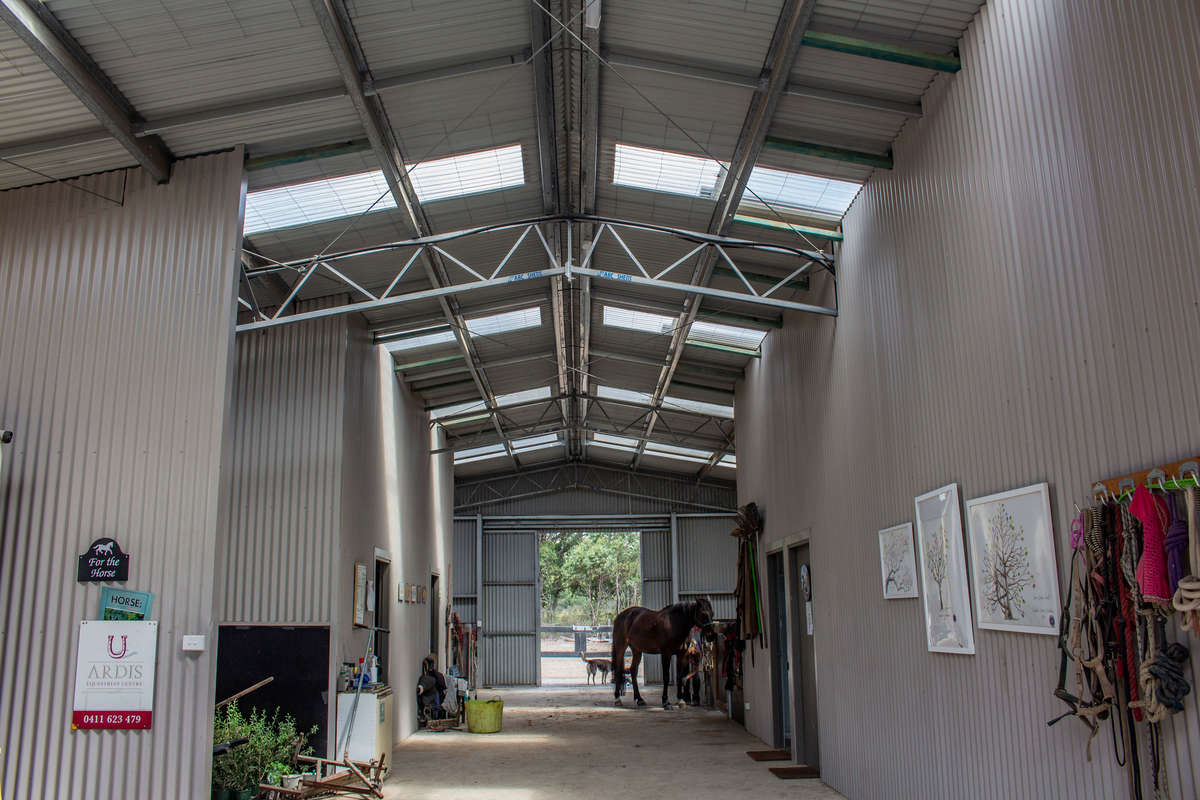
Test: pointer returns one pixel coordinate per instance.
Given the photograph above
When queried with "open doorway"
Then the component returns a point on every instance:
(586, 578)
(780, 651)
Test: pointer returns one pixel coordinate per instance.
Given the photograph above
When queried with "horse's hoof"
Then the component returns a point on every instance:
(682, 705)
(617, 702)
(641, 702)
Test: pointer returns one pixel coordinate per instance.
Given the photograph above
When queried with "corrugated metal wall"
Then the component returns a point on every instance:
(708, 561)
(1016, 299)
(463, 569)
(656, 586)
(285, 506)
(510, 607)
(116, 326)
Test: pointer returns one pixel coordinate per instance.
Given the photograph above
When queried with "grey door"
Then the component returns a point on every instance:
(781, 701)
(510, 608)
(804, 669)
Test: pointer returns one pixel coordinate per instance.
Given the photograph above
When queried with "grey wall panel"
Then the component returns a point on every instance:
(994, 331)
(463, 561)
(724, 605)
(465, 608)
(509, 557)
(510, 660)
(116, 326)
(285, 506)
(707, 554)
(656, 555)
(656, 586)
(510, 609)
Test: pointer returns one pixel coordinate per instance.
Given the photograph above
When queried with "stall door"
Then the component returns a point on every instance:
(510, 608)
(805, 747)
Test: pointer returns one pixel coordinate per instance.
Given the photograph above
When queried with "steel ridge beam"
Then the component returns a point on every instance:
(793, 21)
(885, 52)
(732, 78)
(63, 56)
(878, 160)
(299, 155)
(472, 441)
(763, 222)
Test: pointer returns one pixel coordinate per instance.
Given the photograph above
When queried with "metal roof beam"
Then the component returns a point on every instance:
(343, 44)
(885, 52)
(878, 160)
(793, 21)
(732, 78)
(63, 56)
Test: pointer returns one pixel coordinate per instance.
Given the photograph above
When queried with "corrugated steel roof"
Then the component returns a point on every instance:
(183, 63)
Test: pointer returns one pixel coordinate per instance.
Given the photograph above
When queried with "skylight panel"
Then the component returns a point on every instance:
(669, 403)
(627, 445)
(502, 400)
(350, 195)
(728, 461)
(528, 444)
(626, 395)
(641, 321)
(662, 171)
(730, 335)
(315, 201)
(506, 322)
(800, 191)
(698, 407)
(469, 173)
(445, 336)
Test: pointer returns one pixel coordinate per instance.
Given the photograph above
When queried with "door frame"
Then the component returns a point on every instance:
(780, 617)
(797, 618)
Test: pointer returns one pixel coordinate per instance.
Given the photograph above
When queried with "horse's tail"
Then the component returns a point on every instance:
(618, 654)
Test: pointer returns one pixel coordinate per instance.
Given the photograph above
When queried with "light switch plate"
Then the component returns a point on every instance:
(193, 643)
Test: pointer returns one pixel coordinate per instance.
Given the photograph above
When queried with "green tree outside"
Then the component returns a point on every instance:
(589, 577)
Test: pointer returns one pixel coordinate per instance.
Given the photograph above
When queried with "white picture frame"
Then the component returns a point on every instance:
(898, 562)
(1013, 566)
(943, 569)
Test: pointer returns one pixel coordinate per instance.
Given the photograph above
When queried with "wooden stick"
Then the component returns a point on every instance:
(1113, 485)
(363, 778)
(245, 692)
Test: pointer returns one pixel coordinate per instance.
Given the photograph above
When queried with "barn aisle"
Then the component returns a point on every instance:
(574, 743)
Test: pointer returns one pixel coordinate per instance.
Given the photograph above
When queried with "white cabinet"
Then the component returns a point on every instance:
(373, 725)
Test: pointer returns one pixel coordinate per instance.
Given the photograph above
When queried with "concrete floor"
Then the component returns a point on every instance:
(573, 743)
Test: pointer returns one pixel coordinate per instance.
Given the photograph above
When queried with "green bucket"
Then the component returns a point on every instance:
(485, 716)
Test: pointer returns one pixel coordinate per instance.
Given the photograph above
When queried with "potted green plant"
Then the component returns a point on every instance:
(270, 754)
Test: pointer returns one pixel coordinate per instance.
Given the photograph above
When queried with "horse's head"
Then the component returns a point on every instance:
(702, 614)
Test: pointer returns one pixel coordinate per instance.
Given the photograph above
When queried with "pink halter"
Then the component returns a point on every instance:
(1151, 511)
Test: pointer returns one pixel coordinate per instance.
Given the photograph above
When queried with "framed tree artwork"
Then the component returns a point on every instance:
(1012, 561)
(943, 568)
(898, 562)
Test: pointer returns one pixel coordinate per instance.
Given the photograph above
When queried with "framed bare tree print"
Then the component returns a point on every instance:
(1012, 561)
(897, 562)
(943, 568)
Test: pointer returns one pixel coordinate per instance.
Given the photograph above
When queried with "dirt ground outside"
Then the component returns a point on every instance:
(571, 671)
(575, 743)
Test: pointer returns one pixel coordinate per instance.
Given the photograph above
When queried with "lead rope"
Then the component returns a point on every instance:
(1187, 596)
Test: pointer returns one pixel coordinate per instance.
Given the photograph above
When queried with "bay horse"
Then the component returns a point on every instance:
(664, 632)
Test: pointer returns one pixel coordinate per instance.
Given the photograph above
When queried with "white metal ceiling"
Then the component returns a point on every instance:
(186, 66)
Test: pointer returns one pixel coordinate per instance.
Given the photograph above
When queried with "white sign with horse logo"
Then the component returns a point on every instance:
(114, 674)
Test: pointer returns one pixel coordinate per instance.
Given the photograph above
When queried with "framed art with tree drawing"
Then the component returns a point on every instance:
(1012, 561)
(943, 568)
(897, 562)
